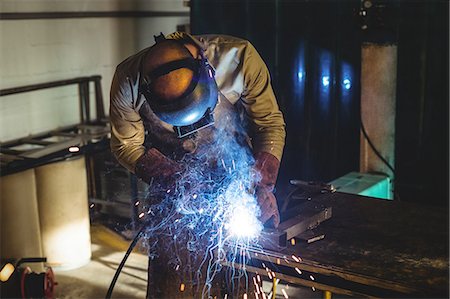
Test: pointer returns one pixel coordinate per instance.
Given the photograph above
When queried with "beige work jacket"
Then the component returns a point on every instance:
(241, 76)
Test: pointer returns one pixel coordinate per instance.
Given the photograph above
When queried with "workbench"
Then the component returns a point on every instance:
(371, 248)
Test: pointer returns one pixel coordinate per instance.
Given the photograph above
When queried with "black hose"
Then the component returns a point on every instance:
(122, 263)
(396, 194)
(375, 150)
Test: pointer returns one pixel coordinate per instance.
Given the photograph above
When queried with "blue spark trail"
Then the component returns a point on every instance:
(212, 211)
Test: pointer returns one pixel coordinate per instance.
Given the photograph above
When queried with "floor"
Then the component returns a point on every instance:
(93, 279)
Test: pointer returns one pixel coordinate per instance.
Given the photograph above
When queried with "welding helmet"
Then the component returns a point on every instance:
(179, 88)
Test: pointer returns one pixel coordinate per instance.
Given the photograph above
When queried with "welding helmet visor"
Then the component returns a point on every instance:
(195, 105)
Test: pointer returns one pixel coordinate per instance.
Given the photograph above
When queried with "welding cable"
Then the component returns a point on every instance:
(122, 263)
(363, 130)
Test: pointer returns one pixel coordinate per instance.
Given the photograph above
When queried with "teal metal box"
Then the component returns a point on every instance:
(374, 185)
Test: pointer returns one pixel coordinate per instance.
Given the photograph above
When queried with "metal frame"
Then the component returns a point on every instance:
(90, 135)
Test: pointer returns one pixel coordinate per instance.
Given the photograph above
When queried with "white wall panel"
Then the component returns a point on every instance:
(43, 50)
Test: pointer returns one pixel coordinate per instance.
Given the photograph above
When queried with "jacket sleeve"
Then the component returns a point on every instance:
(127, 129)
(266, 120)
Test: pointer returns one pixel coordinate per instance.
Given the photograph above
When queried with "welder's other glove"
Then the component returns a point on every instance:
(153, 164)
(268, 205)
(267, 165)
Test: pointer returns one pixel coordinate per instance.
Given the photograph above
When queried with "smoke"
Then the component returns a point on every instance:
(211, 214)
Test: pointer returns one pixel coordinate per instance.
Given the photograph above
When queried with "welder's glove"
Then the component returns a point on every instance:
(267, 165)
(268, 205)
(153, 164)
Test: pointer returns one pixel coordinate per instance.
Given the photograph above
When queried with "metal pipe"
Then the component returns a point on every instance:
(33, 87)
(89, 14)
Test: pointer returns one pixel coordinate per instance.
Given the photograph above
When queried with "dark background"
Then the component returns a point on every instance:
(313, 52)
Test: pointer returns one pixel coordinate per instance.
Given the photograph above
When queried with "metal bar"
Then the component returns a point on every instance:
(87, 101)
(303, 221)
(284, 259)
(304, 282)
(82, 103)
(272, 239)
(100, 110)
(52, 148)
(33, 87)
(90, 14)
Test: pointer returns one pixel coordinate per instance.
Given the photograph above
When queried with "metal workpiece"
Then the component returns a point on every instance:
(311, 186)
(306, 219)
(273, 239)
(296, 221)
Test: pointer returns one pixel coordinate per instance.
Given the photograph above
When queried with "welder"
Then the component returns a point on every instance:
(164, 95)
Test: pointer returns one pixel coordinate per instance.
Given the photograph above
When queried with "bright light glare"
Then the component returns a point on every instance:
(243, 220)
(243, 225)
(191, 117)
(347, 84)
(326, 80)
(6, 272)
(74, 149)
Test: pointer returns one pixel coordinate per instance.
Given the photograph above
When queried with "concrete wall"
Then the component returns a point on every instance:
(43, 50)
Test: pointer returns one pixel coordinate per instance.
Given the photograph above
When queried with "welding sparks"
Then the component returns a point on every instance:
(298, 270)
(74, 149)
(242, 215)
(141, 215)
(212, 209)
(297, 259)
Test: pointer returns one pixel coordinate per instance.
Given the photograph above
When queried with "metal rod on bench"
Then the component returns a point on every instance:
(98, 98)
(82, 103)
(32, 87)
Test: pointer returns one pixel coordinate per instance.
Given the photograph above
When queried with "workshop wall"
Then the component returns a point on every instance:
(313, 51)
(42, 49)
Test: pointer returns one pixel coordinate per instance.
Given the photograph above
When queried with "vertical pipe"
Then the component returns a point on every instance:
(100, 110)
(87, 103)
(378, 86)
(378, 94)
(81, 94)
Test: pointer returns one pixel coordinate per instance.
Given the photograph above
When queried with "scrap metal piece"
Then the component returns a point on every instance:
(304, 220)
(272, 239)
(313, 186)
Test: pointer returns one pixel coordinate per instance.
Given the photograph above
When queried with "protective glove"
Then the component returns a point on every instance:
(153, 164)
(268, 205)
(267, 165)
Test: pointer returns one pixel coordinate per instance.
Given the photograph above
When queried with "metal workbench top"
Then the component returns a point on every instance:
(371, 248)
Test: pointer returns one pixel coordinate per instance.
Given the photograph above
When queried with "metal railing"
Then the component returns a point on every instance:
(83, 89)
